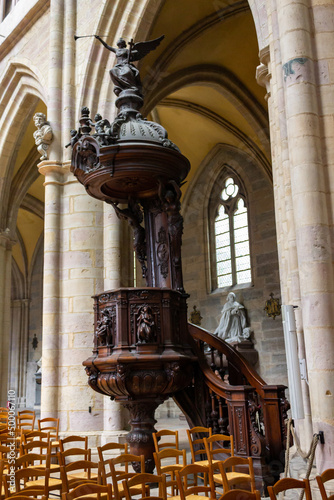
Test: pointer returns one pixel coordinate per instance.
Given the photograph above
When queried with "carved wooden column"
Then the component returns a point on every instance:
(242, 410)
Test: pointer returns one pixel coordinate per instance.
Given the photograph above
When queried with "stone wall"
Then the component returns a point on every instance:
(268, 333)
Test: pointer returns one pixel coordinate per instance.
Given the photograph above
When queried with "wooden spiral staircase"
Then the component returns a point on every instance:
(228, 395)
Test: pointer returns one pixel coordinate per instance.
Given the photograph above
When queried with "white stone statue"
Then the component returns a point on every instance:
(233, 325)
(43, 135)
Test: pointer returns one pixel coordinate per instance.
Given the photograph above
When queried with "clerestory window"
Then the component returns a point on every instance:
(230, 238)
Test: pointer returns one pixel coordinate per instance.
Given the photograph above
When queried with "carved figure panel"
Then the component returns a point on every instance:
(163, 252)
(145, 325)
(105, 328)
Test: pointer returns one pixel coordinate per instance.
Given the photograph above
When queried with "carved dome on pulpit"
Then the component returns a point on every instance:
(140, 129)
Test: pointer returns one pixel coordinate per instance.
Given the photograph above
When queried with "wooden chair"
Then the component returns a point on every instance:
(194, 489)
(215, 445)
(3, 419)
(89, 491)
(105, 456)
(83, 440)
(241, 495)
(34, 482)
(34, 436)
(25, 421)
(69, 473)
(42, 446)
(327, 475)
(29, 495)
(142, 482)
(2, 479)
(232, 477)
(197, 443)
(170, 469)
(26, 412)
(50, 425)
(77, 454)
(160, 443)
(103, 450)
(119, 475)
(289, 483)
(4, 456)
(33, 460)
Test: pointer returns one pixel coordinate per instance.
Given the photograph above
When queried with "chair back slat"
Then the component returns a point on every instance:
(159, 439)
(196, 437)
(327, 475)
(186, 488)
(143, 481)
(289, 483)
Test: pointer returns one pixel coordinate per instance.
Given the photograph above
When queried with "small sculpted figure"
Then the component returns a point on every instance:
(233, 326)
(145, 330)
(43, 135)
(75, 136)
(124, 74)
(170, 195)
(102, 128)
(103, 332)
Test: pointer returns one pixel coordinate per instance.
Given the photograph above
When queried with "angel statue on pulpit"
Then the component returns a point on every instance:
(124, 74)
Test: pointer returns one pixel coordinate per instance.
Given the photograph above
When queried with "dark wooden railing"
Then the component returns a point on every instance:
(230, 396)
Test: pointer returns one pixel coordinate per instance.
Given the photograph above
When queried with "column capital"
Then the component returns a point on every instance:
(54, 171)
(7, 240)
(263, 74)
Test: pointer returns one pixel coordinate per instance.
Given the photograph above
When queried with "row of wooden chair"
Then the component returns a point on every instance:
(210, 448)
(141, 484)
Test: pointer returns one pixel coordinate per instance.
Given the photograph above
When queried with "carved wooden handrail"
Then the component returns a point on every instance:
(234, 357)
(256, 411)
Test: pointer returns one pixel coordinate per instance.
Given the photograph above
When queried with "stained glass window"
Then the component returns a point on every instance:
(232, 250)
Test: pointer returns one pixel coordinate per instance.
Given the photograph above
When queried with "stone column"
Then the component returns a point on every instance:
(114, 413)
(81, 277)
(270, 76)
(6, 243)
(54, 177)
(311, 218)
(19, 349)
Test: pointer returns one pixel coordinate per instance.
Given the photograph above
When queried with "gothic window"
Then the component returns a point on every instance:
(230, 235)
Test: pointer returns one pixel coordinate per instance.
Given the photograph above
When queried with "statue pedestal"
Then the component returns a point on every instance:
(246, 348)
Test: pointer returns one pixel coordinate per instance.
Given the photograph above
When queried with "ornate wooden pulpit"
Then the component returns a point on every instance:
(141, 350)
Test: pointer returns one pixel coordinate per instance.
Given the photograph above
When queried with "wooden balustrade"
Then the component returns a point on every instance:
(230, 396)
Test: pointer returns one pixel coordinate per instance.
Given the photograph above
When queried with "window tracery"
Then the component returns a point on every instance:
(230, 234)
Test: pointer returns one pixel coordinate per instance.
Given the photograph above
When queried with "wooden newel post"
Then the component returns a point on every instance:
(244, 416)
(275, 407)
